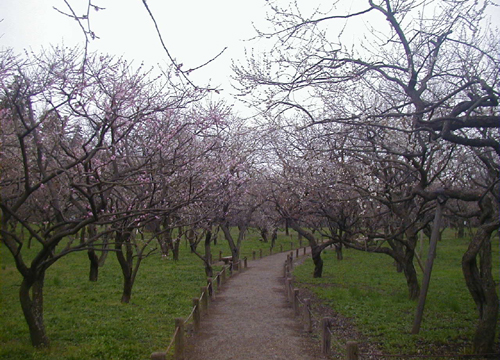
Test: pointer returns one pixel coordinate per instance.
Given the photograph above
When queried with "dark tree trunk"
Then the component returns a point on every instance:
(234, 246)
(481, 285)
(191, 238)
(95, 261)
(175, 249)
(315, 248)
(338, 251)
(208, 254)
(264, 234)
(104, 254)
(31, 297)
(404, 264)
(411, 278)
(317, 260)
(126, 262)
(408, 265)
(163, 246)
(274, 236)
(399, 266)
(94, 265)
(407, 249)
(128, 284)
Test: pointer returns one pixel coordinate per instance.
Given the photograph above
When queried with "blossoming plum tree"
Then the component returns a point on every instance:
(427, 71)
(63, 127)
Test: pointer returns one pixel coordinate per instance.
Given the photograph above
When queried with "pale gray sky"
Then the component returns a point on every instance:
(194, 30)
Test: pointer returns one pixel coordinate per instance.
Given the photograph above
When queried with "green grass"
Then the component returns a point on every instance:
(85, 320)
(367, 289)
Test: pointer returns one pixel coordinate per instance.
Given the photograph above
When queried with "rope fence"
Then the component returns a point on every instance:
(302, 310)
(201, 303)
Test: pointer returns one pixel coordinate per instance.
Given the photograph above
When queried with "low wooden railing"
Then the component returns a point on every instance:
(200, 306)
(302, 310)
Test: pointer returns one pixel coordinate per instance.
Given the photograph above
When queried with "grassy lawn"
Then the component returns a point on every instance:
(85, 320)
(367, 289)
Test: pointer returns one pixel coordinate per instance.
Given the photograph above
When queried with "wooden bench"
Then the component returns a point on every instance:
(226, 259)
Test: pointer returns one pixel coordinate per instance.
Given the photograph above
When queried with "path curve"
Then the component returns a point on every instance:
(251, 320)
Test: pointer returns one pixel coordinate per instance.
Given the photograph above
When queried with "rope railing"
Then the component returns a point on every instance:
(190, 316)
(326, 325)
(163, 354)
(173, 340)
(200, 304)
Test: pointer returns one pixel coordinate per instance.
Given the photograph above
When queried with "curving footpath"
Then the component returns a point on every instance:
(250, 319)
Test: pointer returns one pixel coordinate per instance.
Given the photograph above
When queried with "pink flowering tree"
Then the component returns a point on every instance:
(63, 130)
(165, 176)
(427, 71)
(234, 202)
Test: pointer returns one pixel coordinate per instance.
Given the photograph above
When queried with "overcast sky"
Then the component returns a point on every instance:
(194, 30)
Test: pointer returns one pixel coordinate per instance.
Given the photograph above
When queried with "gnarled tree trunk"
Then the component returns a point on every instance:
(208, 254)
(94, 265)
(31, 297)
(317, 260)
(479, 280)
(411, 278)
(316, 249)
(126, 261)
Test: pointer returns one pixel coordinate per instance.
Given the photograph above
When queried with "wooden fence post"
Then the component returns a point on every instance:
(297, 253)
(270, 251)
(326, 338)
(245, 262)
(210, 288)
(220, 255)
(352, 350)
(291, 261)
(196, 314)
(223, 273)
(179, 339)
(307, 315)
(218, 281)
(260, 253)
(287, 288)
(281, 247)
(305, 248)
(253, 255)
(296, 307)
(204, 299)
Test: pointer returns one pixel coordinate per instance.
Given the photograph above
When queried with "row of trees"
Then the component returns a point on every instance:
(376, 130)
(361, 143)
(101, 156)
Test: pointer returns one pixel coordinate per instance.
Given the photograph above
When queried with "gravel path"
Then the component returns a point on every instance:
(250, 319)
